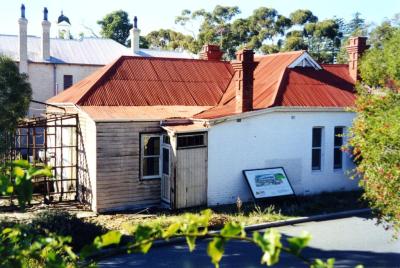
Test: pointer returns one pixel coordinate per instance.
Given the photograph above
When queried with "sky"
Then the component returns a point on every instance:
(156, 14)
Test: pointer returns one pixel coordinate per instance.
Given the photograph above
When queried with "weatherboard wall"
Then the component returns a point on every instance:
(277, 139)
(118, 182)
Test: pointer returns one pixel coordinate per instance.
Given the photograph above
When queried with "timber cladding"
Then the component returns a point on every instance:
(118, 164)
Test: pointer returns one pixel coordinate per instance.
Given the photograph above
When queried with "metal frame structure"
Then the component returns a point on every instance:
(51, 140)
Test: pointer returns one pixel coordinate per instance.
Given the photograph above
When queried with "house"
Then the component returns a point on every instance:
(54, 64)
(179, 132)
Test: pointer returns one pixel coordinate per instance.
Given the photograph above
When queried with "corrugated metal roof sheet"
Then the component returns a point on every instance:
(91, 51)
(330, 87)
(133, 81)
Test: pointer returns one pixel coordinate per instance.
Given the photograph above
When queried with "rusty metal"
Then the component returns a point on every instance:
(135, 81)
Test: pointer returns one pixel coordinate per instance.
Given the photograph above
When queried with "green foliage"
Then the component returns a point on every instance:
(19, 248)
(375, 134)
(16, 178)
(170, 40)
(116, 25)
(15, 95)
(265, 30)
(303, 16)
(63, 223)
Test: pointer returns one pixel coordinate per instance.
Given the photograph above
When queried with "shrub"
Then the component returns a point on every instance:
(63, 223)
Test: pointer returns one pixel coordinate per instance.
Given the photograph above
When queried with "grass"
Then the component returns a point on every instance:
(247, 213)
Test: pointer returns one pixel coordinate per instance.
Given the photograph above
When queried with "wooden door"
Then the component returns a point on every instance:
(191, 177)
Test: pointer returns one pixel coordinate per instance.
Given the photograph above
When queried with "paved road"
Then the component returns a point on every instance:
(351, 241)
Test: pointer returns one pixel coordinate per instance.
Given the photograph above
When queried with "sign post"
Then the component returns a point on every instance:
(268, 183)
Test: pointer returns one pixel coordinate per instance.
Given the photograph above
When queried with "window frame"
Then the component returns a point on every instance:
(335, 147)
(142, 156)
(72, 80)
(191, 135)
(320, 148)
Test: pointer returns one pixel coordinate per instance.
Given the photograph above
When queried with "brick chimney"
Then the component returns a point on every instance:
(211, 52)
(355, 49)
(244, 69)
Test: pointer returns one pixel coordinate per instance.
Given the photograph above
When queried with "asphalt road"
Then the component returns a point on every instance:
(351, 241)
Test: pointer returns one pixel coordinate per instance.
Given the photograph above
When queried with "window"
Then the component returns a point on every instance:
(337, 152)
(150, 156)
(190, 141)
(68, 81)
(165, 160)
(316, 154)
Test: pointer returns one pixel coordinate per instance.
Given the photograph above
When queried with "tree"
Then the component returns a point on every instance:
(355, 27)
(302, 16)
(15, 95)
(356, 24)
(116, 25)
(170, 40)
(374, 137)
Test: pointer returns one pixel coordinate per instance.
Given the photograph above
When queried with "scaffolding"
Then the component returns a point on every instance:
(50, 140)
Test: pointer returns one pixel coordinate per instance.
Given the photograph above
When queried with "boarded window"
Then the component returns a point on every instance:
(150, 155)
(316, 154)
(190, 141)
(337, 152)
(68, 81)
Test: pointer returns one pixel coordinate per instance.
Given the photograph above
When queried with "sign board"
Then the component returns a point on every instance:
(268, 182)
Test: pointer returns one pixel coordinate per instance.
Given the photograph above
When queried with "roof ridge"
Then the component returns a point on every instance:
(280, 53)
(172, 59)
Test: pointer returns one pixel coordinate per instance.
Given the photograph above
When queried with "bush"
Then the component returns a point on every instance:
(63, 223)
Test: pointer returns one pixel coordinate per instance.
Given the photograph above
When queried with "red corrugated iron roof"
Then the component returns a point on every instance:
(330, 87)
(136, 81)
(133, 81)
(301, 87)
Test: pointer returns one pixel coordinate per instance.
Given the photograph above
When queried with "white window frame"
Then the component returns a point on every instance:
(338, 147)
(142, 156)
(320, 148)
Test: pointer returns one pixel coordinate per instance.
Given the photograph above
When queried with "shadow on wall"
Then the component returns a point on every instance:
(85, 193)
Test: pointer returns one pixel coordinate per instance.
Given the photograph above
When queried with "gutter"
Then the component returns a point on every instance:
(271, 110)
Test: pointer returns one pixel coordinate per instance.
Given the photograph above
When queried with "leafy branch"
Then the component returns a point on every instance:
(194, 227)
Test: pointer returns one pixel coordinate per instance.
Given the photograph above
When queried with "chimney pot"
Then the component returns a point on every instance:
(211, 52)
(355, 49)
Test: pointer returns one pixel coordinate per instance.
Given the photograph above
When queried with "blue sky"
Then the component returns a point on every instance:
(155, 14)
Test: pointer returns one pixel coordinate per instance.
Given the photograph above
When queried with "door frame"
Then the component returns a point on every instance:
(164, 176)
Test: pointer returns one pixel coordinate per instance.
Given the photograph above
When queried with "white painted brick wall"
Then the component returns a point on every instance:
(278, 139)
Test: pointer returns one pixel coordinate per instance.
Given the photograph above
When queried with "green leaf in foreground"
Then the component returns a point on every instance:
(215, 250)
(107, 239)
(270, 244)
(297, 244)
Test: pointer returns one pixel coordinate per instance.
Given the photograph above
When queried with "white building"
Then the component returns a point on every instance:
(180, 132)
(54, 64)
